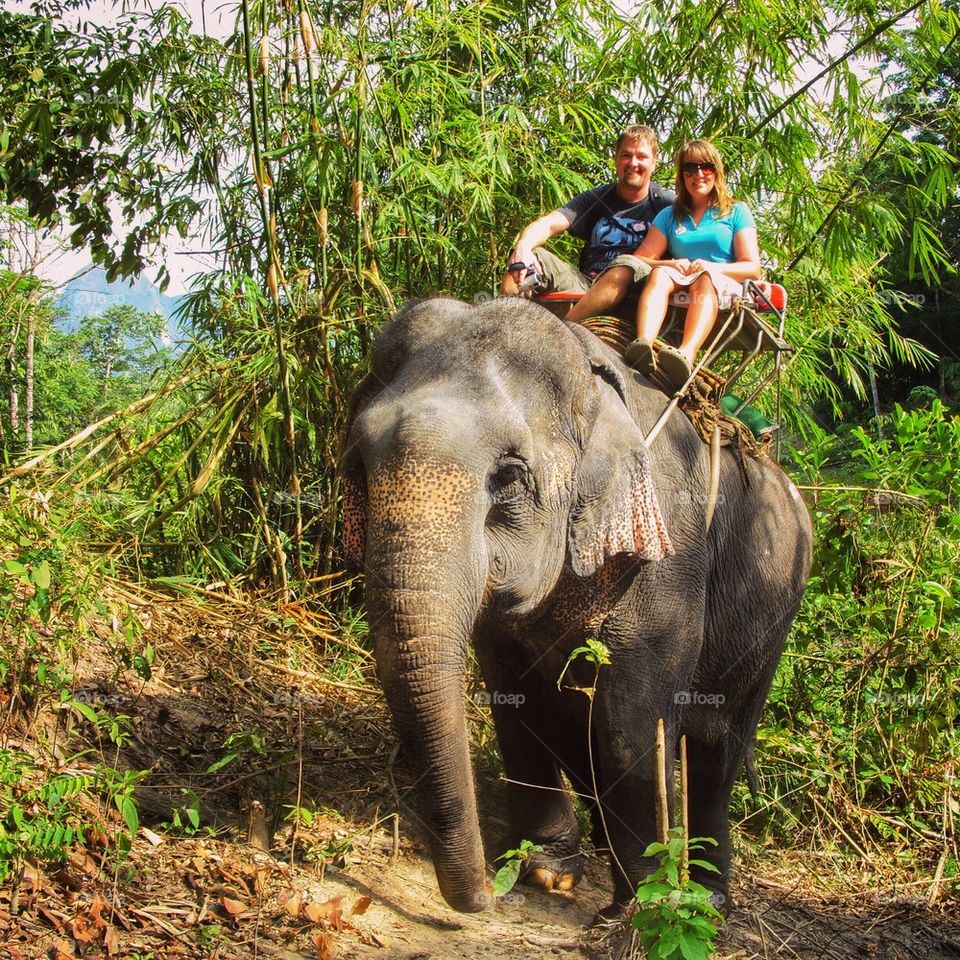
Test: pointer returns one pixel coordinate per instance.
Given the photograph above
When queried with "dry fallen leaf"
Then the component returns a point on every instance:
(360, 907)
(111, 941)
(324, 944)
(233, 907)
(51, 918)
(260, 880)
(62, 950)
(83, 930)
(292, 902)
(97, 908)
(330, 912)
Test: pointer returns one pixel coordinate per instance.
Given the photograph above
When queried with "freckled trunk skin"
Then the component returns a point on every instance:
(423, 591)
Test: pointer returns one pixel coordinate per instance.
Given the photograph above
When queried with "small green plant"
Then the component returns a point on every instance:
(593, 651)
(506, 877)
(120, 786)
(675, 915)
(208, 935)
(239, 744)
(185, 819)
(39, 822)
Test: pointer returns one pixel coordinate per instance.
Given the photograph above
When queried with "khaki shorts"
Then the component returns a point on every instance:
(558, 274)
(641, 270)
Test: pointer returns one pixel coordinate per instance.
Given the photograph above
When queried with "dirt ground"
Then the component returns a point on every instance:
(351, 879)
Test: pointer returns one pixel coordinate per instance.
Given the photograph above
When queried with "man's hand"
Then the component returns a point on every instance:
(526, 272)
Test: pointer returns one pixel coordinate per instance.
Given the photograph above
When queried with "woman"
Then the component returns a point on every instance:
(712, 245)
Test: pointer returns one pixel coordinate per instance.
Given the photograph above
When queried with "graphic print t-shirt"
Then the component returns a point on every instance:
(609, 225)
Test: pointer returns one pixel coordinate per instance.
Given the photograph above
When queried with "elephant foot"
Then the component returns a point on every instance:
(553, 873)
(718, 887)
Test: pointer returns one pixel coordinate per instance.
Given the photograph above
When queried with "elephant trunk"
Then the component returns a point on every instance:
(422, 601)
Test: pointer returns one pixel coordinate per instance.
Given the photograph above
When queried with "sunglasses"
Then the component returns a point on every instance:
(690, 169)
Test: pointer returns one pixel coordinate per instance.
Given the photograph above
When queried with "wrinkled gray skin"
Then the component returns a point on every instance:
(486, 447)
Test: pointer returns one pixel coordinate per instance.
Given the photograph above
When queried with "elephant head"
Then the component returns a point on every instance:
(487, 450)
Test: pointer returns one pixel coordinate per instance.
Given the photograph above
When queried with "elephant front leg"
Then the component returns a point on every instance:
(533, 740)
(627, 821)
(540, 809)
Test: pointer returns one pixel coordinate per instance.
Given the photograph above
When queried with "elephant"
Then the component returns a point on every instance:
(498, 492)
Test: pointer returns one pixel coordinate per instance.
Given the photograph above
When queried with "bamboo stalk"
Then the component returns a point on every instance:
(660, 771)
(684, 814)
(92, 428)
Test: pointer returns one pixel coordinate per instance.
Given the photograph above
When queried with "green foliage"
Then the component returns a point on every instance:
(185, 819)
(79, 132)
(593, 651)
(675, 915)
(39, 822)
(239, 744)
(506, 877)
(862, 722)
(123, 347)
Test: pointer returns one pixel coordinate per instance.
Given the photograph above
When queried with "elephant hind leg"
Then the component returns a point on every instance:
(712, 771)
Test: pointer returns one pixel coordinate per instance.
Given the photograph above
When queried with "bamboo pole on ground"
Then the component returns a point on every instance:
(660, 763)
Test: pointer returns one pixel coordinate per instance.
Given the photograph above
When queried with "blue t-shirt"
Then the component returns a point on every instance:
(710, 240)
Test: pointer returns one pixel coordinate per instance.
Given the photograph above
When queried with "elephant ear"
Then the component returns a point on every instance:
(354, 515)
(616, 509)
(354, 492)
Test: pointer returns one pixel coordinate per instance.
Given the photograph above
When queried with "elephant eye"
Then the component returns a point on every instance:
(510, 481)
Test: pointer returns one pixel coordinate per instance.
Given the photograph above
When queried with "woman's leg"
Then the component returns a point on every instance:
(611, 287)
(700, 318)
(652, 308)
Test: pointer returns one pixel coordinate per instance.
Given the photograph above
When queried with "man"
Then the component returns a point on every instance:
(612, 219)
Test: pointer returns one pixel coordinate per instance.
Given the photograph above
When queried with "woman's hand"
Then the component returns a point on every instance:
(682, 265)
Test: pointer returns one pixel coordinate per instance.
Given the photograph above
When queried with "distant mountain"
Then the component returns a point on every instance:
(89, 293)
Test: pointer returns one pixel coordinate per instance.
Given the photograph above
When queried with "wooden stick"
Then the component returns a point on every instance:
(660, 759)
(684, 814)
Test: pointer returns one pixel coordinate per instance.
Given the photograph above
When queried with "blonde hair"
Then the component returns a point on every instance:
(702, 151)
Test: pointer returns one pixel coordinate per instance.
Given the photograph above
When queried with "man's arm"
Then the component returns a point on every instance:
(532, 236)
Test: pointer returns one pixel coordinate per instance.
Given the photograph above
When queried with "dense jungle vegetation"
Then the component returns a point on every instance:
(339, 159)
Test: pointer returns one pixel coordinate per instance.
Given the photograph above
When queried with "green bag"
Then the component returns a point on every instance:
(749, 416)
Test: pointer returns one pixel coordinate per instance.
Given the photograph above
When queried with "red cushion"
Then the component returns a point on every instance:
(561, 296)
(775, 293)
